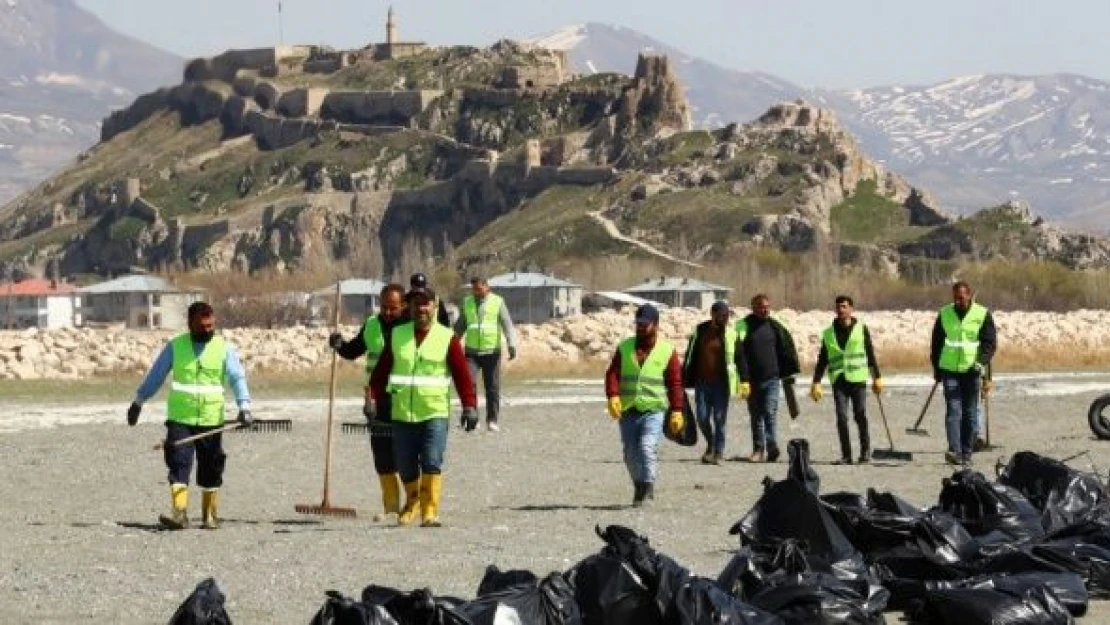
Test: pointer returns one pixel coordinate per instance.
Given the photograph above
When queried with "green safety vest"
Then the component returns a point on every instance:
(420, 381)
(730, 355)
(642, 386)
(961, 338)
(850, 362)
(197, 390)
(483, 334)
(374, 339)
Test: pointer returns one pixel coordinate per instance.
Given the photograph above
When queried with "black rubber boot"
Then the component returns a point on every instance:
(638, 494)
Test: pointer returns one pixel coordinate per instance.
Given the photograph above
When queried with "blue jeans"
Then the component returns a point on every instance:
(961, 398)
(711, 405)
(640, 434)
(418, 447)
(763, 404)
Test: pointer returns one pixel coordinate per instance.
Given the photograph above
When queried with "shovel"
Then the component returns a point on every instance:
(916, 430)
(889, 454)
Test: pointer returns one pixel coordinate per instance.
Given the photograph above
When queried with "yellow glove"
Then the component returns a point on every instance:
(877, 386)
(815, 392)
(615, 408)
(676, 423)
(744, 390)
(988, 386)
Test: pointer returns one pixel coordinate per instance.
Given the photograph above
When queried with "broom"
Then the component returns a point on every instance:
(325, 507)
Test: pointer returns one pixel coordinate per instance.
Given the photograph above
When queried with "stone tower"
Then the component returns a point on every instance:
(390, 28)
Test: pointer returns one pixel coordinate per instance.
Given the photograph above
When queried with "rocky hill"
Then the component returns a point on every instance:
(61, 72)
(386, 159)
(973, 139)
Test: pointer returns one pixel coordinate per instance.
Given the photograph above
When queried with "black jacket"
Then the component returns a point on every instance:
(689, 363)
(785, 352)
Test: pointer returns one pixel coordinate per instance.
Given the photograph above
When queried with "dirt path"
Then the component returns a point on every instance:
(614, 232)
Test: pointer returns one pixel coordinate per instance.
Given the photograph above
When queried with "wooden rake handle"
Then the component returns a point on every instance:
(196, 437)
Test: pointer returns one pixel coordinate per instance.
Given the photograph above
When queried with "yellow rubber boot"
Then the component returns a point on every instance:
(209, 501)
(391, 492)
(412, 503)
(430, 487)
(178, 518)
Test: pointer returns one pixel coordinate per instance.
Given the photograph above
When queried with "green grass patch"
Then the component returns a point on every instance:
(126, 228)
(868, 217)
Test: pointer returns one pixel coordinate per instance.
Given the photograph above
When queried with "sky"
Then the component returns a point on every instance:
(813, 43)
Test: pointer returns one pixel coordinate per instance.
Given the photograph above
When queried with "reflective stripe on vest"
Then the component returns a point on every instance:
(197, 391)
(483, 333)
(730, 355)
(851, 362)
(961, 338)
(642, 386)
(420, 381)
(374, 339)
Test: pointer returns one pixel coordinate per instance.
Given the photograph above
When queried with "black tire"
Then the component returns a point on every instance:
(1098, 419)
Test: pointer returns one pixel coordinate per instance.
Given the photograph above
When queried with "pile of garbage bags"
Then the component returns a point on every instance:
(1030, 548)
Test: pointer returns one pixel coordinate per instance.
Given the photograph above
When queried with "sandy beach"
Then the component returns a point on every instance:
(81, 493)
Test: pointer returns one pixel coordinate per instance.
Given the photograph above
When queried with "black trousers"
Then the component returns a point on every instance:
(381, 438)
(208, 451)
(854, 393)
(490, 366)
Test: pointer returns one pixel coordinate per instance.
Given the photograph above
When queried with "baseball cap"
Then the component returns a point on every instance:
(423, 292)
(719, 306)
(647, 314)
(418, 280)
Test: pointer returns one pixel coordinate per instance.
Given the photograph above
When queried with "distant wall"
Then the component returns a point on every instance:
(376, 107)
(197, 238)
(301, 102)
(144, 107)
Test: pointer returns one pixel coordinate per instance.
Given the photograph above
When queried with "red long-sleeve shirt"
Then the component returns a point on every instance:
(672, 376)
(456, 364)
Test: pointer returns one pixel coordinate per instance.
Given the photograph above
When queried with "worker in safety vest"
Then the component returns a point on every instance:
(849, 356)
(419, 280)
(371, 340)
(485, 324)
(644, 383)
(420, 361)
(710, 369)
(200, 362)
(963, 343)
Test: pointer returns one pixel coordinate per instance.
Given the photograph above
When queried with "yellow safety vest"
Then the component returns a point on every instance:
(642, 386)
(730, 354)
(420, 381)
(483, 334)
(850, 362)
(961, 338)
(197, 389)
(374, 339)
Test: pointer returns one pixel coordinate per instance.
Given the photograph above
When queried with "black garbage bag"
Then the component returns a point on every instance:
(1064, 496)
(892, 504)
(994, 513)
(496, 580)
(699, 601)
(550, 602)
(939, 549)
(994, 606)
(419, 607)
(205, 606)
(943, 538)
(797, 450)
(874, 523)
(688, 437)
(342, 610)
(909, 595)
(788, 510)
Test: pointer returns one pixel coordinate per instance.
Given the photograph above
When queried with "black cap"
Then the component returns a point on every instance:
(647, 314)
(421, 291)
(418, 280)
(719, 306)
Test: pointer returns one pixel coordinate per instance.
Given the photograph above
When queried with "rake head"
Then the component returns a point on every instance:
(353, 427)
(891, 454)
(268, 425)
(917, 431)
(326, 509)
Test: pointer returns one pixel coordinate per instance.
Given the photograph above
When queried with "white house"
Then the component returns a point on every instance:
(536, 297)
(680, 292)
(138, 301)
(37, 303)
(360, 298)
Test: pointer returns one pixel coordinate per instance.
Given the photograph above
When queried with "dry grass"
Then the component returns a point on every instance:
(1013, 359)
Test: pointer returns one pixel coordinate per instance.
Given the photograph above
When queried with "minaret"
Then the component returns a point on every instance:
(390, 28)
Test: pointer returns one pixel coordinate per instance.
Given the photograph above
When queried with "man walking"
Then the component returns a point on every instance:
(963, 343)
(201, 362)
(710, 369)
(484, 324)
(371, 340)
(765, 359)
(848, 354)
(414, 374)
(643, 380)
(419, 280)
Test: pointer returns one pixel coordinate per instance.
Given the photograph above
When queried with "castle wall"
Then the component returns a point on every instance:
(376, 107)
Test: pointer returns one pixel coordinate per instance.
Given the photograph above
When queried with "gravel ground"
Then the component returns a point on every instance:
(78, 541)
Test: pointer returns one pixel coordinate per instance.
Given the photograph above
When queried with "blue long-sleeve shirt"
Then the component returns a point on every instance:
(163, 365)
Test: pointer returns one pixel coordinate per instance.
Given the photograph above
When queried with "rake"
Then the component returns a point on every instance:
(268, 425)
(353, 427)
(196, 437)
(325, 507)
(889, 454)
(917, 430)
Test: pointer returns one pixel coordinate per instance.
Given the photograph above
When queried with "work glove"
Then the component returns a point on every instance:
(877, 386)
(335, 340)
(815, 393)
(133, 413)
(744, 390)
(676, 423)
(615, 407)
(512, 353)
(245, 418)
(988, 386)
(468, 420)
